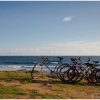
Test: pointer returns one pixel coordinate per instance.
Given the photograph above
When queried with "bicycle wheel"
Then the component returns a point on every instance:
(58, 70)
(90, 76)
(72, 74)
(36, 71)
(97, 75)
(65, 77)
(61, 74)
(79, 76)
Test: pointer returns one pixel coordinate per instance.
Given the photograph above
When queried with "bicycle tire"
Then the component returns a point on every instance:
(72, 74)
(61, 72)
(79, 77)
(35, 73)
(97, 75)
(58, 70)
(90, 77)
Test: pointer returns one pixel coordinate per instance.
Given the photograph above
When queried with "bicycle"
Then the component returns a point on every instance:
(72, 72)
(44, 62)
(77, 72)
(95, 77)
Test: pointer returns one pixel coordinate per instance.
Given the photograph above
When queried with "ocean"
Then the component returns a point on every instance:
(10, 63)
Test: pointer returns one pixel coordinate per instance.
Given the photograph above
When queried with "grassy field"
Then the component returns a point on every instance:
(18, 85)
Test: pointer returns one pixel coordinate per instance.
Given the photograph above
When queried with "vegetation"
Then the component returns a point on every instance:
(23, 77)
(36, 94)
(10, 92)
(15, 85)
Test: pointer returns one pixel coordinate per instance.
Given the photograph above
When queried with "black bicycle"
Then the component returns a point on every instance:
(88, 70)
(44, 65)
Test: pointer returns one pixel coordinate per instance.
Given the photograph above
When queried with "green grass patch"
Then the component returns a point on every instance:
(35, 94)
(51, 96)
(10, 92)
(8, 76)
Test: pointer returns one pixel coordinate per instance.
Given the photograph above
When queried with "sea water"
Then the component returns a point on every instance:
(21, 63)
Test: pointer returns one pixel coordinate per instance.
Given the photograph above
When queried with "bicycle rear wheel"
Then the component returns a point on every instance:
(72, 74)
(79, 76)
(97, 76)
(61, 73)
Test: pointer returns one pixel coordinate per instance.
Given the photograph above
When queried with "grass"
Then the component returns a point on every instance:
(36, 94)
(14, 84)
(14, 75)
(10, 92)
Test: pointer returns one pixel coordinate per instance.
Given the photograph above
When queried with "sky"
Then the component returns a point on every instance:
(50, 28)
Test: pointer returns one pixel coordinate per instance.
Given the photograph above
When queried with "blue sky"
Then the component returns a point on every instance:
(50, 28)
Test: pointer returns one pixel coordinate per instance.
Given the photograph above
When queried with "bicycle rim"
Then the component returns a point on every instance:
(79, 76)
(58, 70)
(72, 74)
(61, 74)
(36, 72)
(97, 76)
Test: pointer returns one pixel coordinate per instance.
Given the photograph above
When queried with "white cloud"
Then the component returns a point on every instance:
(61, 48)
(71, 48)
(67, 18)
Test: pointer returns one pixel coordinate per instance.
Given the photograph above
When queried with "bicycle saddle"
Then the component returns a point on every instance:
(73, 59)
(44, 57)
(96, 61)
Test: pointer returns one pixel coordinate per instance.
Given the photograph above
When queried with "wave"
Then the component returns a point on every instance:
(15, 67)
(21, 67)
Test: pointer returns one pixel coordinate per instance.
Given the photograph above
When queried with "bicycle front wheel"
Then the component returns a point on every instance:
(36, 71)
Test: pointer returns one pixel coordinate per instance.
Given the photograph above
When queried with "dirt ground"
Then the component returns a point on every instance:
(55, 89)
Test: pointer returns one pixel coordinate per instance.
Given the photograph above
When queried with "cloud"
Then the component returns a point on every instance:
(61, 48)
(67, 18)
(71, 48)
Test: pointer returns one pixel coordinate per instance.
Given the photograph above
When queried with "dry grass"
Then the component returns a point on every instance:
(20, 85)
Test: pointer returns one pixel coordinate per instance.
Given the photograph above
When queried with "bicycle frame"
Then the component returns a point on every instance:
(87, 71)
(45, 61)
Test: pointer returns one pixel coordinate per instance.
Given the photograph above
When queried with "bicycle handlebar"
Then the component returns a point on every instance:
(59, 57)
(96, 62)
(46, 59)
(73, 59)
